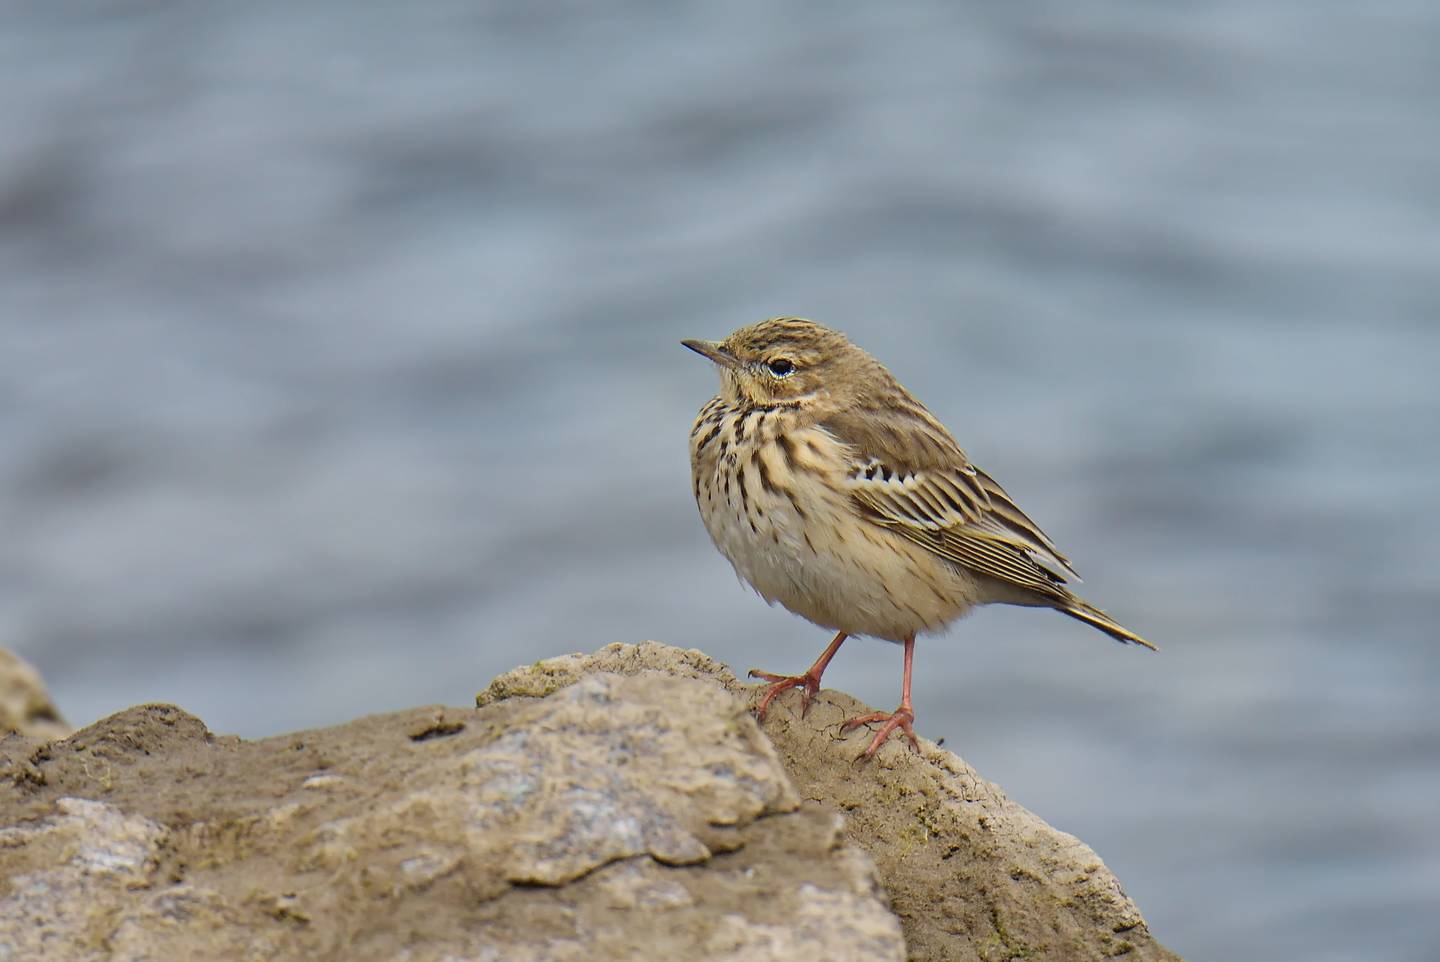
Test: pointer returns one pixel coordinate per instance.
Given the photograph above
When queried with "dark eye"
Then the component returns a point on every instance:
(781, 367)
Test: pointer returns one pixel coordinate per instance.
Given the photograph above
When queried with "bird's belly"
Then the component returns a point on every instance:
(810, 552)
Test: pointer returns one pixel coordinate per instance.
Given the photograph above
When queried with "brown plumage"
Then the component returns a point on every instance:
(833, 491)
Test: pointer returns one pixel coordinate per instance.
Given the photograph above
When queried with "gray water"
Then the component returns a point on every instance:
(339, 372)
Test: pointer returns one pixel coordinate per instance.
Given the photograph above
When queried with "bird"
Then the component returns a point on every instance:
(833, 491)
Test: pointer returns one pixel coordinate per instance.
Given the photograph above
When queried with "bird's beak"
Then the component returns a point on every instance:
(713, 351)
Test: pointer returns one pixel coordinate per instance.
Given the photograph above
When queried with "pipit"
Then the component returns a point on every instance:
(833, 491)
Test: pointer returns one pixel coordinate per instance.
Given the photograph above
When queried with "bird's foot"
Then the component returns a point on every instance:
(900, 718)
(807, 683)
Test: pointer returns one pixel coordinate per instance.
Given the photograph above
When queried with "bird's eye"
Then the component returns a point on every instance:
(781, 367)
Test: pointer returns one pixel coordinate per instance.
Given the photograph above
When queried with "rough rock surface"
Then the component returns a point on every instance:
(639, 816)
(970, 873)
(25, 705)
(621, 805)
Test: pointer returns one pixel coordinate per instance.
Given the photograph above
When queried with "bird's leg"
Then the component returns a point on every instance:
(808, 683)
(900, 718)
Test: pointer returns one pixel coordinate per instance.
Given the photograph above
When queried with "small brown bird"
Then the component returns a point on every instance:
(833, 491)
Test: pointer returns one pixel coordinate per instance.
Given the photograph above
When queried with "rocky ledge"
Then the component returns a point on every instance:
(620, 805)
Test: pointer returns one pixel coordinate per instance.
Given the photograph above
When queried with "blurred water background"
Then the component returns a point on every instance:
(339, 371)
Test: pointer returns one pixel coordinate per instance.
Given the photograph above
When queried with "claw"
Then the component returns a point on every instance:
(807, 683)
(900, 718)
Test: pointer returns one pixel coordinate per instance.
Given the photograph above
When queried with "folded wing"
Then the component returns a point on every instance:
(910, 476)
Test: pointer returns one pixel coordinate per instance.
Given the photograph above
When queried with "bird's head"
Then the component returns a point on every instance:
(786, 359)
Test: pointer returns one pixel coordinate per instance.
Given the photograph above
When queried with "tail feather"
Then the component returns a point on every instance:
(1088, 613)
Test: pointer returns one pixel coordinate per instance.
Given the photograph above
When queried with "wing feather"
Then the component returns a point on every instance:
(908, 475)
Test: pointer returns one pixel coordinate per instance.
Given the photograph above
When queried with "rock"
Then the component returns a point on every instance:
(624, 816)
(971, 874)
(25, 705)
(620, 805)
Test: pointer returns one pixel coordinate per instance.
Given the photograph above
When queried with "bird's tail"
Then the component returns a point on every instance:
(1088, 613)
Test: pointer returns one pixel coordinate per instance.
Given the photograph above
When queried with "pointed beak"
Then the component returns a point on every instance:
(713, 351)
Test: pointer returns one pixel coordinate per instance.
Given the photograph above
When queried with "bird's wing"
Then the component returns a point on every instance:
(908, 474)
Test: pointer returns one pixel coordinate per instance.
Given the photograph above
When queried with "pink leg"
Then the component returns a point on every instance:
(808, 683)
(900, 718)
